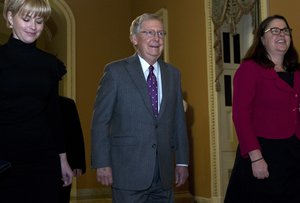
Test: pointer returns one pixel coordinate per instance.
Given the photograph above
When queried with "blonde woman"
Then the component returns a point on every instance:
(30, 132)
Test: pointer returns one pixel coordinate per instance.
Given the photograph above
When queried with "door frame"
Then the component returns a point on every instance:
(213, 100)
(69, 84)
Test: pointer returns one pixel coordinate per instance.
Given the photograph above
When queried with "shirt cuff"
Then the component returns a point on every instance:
(182, 165)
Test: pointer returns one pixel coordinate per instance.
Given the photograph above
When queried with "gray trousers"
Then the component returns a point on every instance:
(154, 194)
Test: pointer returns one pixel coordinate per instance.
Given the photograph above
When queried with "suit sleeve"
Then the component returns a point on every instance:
(103, 110)
(182, 146)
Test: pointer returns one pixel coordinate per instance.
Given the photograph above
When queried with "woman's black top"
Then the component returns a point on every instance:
(29, 112)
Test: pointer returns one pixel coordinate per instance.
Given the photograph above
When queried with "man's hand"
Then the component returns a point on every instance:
(181, 174)
(104, 176)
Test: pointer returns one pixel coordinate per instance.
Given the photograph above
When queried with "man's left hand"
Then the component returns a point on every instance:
(181, 174)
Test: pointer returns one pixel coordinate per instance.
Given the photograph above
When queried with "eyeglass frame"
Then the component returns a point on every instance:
(153, 33)
(283, 30)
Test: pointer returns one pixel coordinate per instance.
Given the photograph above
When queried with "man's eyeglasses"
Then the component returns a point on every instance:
(277, 31)
(152, 33)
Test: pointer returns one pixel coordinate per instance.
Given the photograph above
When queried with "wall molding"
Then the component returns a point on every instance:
(212, 104)
(69, 89)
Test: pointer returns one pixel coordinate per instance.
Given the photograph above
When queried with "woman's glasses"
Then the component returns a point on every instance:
(277, 31)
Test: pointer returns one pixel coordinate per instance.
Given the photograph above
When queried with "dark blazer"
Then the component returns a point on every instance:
(264, 105)
(73, 134)
(125, 134)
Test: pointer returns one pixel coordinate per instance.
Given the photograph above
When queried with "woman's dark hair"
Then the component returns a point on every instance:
(259, 54)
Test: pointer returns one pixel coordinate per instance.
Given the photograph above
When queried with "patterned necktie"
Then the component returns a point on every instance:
(152, 90)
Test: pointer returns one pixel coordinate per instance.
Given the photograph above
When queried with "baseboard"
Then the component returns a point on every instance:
(184, 197)
(209, 200)
(202, 200)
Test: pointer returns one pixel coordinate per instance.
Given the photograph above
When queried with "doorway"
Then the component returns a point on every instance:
(226, 46)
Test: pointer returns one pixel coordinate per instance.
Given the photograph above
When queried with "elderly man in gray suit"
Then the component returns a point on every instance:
(139, 137)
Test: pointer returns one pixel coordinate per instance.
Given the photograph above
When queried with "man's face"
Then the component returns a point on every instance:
(149, 42)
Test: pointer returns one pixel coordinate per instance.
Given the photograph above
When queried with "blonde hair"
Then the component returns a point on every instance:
(40, 8)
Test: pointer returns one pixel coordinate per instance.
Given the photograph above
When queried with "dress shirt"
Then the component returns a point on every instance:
(156, 71)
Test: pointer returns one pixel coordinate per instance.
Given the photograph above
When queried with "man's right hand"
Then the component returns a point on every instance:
(104, 176)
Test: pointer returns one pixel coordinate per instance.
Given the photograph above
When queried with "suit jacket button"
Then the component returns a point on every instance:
(156, 126)
(154, 146)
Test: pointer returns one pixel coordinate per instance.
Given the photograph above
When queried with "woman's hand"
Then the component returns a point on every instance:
(66, 171)
(259, 165)
(260, 169)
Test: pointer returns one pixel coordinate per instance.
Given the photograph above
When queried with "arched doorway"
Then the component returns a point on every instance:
(63, 43)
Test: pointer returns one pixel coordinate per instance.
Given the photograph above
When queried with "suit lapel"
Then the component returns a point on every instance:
(165, 86)
(135, 71)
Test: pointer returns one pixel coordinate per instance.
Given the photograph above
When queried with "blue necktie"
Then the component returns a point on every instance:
(152, 90)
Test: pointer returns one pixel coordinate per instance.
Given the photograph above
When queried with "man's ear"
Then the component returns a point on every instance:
(133, 40)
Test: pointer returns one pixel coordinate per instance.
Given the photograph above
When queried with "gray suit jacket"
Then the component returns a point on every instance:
(125, 134)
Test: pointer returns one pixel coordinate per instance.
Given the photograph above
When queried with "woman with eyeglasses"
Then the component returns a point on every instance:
(266, 105)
